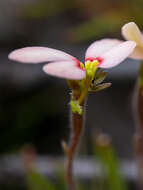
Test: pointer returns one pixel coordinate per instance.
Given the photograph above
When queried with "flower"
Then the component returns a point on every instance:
(130, 31)
(105, 53)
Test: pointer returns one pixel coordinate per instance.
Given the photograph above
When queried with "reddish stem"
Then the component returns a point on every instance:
(139, 138)
(77, 126)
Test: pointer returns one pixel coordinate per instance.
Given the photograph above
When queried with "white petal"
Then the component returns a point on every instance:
(117, 54)
(131, 32)
(38, 55)
(99, 47)
(65, 69)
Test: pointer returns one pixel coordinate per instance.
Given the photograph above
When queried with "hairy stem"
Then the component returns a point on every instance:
(77, 126)
(77, 118)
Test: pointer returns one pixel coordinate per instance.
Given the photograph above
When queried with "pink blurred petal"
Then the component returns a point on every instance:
(137, 53)
(38, 55)
(117, 54)
(65, 69)
(97, 48)
(130, 31)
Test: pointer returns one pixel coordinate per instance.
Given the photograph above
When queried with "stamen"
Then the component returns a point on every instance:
(99, 59)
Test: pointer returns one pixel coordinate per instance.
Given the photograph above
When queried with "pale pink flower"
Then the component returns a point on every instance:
(108, 53)
(130, 31)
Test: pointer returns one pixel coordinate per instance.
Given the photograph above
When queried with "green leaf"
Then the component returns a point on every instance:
(60, 183)
(36, 181)
(99, 77)
(99, 87)
(108, 159)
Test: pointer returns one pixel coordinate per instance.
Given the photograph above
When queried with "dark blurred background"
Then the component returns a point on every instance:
(34, 106)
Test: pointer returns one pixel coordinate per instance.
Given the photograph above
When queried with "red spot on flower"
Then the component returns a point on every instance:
(78, 64)
(99, 59)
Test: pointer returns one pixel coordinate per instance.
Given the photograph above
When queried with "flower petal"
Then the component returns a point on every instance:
(131, 31)
(38, 55)
(117, 54)
(137, 53)
(99, 47)
(65, 69)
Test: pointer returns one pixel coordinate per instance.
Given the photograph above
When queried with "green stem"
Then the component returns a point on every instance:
(85, 91)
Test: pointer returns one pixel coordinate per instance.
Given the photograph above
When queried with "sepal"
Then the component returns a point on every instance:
(99, 87)
(99, 77)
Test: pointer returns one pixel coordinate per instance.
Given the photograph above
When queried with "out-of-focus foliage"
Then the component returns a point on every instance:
(108, 23)
(87, 19)
(97, 18)
(107, 17)
(110, 179)
(38, 182)
(106, 155)
(140, 78)
(24, 121)
(44, 8)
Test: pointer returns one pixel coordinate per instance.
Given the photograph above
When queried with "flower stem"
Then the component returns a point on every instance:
(85, 91)
(77, 126)
(139, 136)
(77, 117)
(139, 140)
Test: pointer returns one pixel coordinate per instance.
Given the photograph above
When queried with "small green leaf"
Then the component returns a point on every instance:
(99, 77)
(100, 87)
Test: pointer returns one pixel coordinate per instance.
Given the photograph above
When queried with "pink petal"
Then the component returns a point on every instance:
(38, 55)
(137, 53)
(99, 47)
(65, 69)
(117, 54)
(131, 31)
